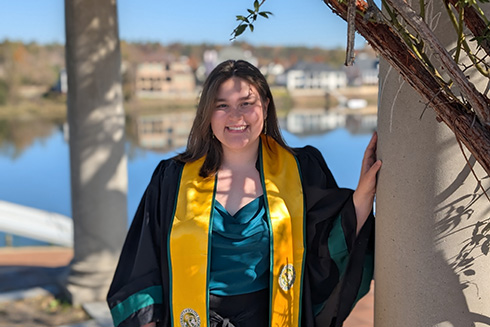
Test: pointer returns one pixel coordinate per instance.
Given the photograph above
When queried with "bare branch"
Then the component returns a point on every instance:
(478, 102)
(351, 31)
(475, 23)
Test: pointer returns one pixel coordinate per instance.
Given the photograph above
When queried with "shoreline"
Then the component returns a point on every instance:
(55, 109)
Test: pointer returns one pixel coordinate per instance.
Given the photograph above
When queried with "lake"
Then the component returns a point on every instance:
(34, 158)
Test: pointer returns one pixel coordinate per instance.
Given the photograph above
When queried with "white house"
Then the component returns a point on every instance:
(317, 76)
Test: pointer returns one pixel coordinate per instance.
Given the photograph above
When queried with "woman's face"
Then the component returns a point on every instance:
(238, 116)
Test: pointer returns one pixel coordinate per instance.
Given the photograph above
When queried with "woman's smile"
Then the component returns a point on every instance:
(236, 128)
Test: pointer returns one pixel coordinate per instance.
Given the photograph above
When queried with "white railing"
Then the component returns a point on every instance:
(37, 224)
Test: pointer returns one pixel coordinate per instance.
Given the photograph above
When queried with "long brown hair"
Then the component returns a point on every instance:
(201, 141)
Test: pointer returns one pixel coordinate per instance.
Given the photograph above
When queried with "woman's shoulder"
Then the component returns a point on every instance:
(313, 167)
(309, 154)
(167, 168)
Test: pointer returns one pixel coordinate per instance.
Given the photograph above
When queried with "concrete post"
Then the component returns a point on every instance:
(97, 157)
(427, 271)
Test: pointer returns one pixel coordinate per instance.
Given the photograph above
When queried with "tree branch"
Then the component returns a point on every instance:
(392, 48)
(478, 101)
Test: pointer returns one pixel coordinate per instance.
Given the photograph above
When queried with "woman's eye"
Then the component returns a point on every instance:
(221, 106)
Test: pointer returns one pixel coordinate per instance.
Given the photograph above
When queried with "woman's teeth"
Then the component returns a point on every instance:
(236, 128)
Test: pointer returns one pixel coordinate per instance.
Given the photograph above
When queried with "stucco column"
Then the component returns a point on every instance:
(429, 207)
(97, 157)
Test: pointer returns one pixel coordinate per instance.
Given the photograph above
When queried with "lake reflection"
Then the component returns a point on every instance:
(168, 131)
(34, 158)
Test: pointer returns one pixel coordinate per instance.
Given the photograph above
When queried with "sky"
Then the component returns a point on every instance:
(307, 23)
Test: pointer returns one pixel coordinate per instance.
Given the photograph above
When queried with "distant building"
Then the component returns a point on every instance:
(161, 79)
(364, 71)
(272, 71)
(212, 58)
(236, 53)
(314, 76)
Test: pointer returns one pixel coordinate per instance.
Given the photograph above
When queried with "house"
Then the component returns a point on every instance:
(314, 76)
(162, 79)
(364, 71)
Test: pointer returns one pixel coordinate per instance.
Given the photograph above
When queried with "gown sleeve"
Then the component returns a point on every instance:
(135, 296)
(339, 264)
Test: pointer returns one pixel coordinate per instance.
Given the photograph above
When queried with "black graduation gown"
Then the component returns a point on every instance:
(143, 261)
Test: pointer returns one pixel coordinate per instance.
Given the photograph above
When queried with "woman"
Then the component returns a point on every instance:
(240, 229)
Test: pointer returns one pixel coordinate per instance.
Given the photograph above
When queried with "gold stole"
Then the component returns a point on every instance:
(189, 242)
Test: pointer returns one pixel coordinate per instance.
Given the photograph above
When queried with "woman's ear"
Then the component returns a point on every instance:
(266, 108)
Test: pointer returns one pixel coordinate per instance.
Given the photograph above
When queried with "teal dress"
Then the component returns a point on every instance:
(239, 273)
(239, 250)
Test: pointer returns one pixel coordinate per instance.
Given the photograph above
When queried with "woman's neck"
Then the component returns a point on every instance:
(241, 160)
(238, 180)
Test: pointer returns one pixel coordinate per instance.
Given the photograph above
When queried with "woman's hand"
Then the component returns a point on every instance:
(151, 324)
(366, 189)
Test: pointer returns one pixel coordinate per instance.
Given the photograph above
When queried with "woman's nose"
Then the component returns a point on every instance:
(235, 112)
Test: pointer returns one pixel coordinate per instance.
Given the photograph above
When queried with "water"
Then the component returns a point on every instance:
(35, 172)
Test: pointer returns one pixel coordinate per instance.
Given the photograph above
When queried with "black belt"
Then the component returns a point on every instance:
(244, 310)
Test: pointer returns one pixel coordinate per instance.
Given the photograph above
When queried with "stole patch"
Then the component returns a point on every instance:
(287, 277)
(189, 318)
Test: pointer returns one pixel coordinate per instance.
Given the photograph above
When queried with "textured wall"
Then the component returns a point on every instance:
(427, 271)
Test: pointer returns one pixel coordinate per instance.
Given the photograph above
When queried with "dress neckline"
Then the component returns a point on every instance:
(237, 214)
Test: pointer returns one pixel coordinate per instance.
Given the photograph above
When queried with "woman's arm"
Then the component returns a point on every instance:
(366, 189)
(151, 324)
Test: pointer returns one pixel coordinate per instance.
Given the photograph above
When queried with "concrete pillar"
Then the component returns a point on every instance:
(97, 157)
(429, 207)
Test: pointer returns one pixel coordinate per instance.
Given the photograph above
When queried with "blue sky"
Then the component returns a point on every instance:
(295, 22)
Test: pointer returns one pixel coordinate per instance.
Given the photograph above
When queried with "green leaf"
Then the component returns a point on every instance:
(251, 27)
(263, 14)
(240, 29)
(256, 5)
(241, 18)
(251, 12)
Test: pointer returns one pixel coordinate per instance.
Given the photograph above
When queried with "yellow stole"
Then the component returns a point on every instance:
(189, 241)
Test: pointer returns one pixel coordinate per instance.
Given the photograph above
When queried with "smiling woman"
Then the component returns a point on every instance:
(242, 230)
